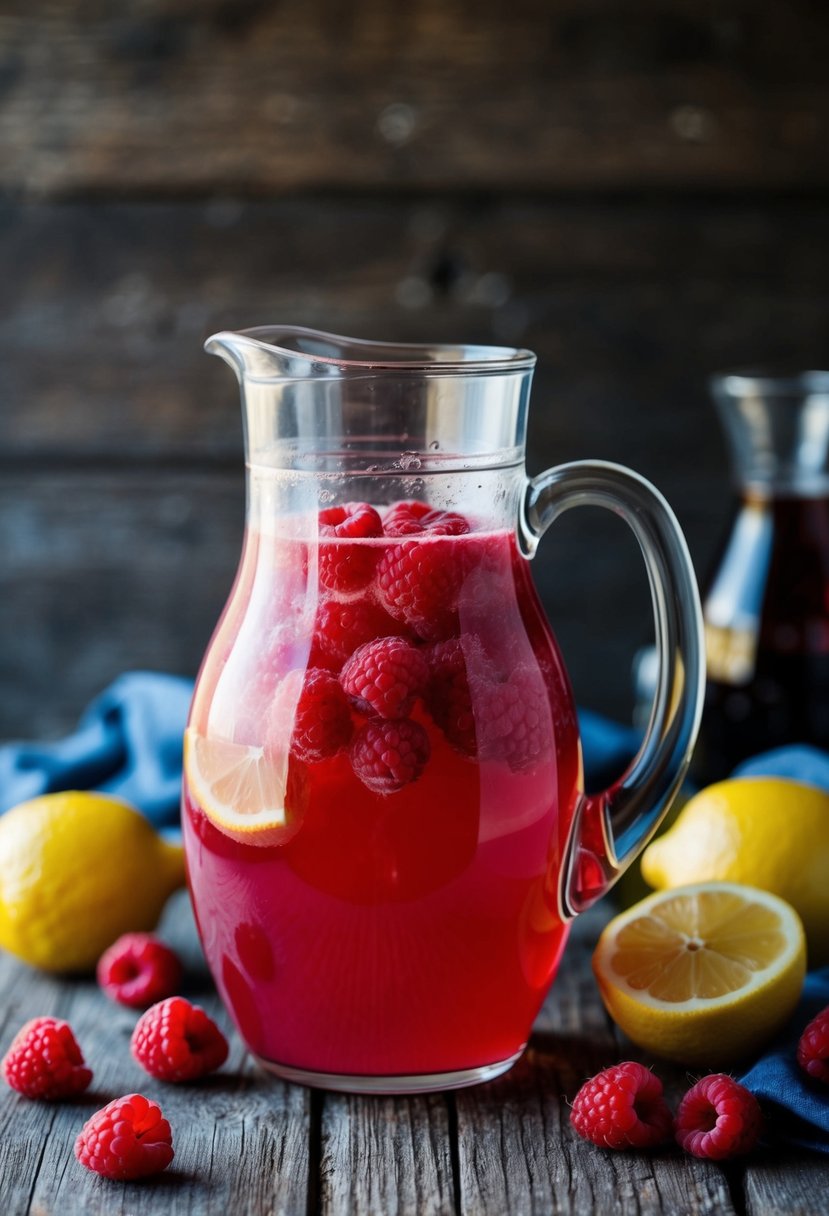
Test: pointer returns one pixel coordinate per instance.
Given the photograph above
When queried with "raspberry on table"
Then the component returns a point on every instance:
(418, 581)
(385, 676)
(413, 518)
(137, 970)
(348, 567)
(449, 699)
(343, 625)
(44, 1061)
(813, 1048)
(322, 720)
(129, 1138)
(177, 1041)
(718, 1118)
(386, 755)
(622, 1107)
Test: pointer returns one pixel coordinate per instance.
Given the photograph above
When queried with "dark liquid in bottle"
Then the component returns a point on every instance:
(772, 686)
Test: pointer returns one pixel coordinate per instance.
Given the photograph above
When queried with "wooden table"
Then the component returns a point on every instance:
(245, 1143)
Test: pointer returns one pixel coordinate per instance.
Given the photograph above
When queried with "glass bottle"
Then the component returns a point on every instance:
(766, 608)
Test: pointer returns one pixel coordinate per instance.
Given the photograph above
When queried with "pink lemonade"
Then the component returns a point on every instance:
(394, 677)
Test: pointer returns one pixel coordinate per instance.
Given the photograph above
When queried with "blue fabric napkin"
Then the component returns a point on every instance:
(795, 1105)
(127, 743)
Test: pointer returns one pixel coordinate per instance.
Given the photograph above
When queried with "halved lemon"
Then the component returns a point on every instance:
(243, 790)
(702, 974)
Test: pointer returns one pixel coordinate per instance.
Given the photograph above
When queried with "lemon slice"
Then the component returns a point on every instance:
(241, 789)
(702, 974)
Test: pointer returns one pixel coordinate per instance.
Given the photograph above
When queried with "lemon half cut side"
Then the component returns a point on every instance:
(241, 789)
(702, 974)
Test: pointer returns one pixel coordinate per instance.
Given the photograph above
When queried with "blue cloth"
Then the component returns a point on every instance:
(795, 1105)
(127, 743)
(797, 763)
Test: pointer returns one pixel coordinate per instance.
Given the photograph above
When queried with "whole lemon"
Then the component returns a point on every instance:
(762, 831)
(76, 871)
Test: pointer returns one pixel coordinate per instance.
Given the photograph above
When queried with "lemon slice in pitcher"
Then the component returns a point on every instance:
(242, 790)
(702, 974)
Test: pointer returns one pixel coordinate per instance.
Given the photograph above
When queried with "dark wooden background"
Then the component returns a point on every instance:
(635, 189)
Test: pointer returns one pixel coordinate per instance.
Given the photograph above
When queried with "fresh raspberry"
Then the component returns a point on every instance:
(419, 582)
(813, 1048)
(343, 566)
(385, 676)
(512, 718)
(138, 970)
(449, 699)
(386, 755)
(129, 1138)
(322, 720)
(622, 1107)
(718, 1118)
(413, 518)
(342, 626)
(177, 1041)
(45, 1061)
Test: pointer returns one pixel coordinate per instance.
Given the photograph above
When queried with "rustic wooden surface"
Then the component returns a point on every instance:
(636, 190)
(248, 1144)
(161, 95)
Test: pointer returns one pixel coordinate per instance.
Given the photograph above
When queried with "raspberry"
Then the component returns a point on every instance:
(343, 566)
(177, 1041)
(138, 970)
(322, 721)
(45, 1061)
(412, 518)
(343, 626)
(513, 718)
(449, 699)
(385, 676)
(129, 1138)
(419, 581)
(718, 1118)
(813, 1048)
(622, 1107)
(387, 755)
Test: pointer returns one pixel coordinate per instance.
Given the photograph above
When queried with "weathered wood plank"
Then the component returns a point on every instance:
(245, 96)
(241, 1137)
(386, 1156)
(790, 1185)
(104, 309)
(516, 1148)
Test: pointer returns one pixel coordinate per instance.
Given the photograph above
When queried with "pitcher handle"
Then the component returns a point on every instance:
(610, 828)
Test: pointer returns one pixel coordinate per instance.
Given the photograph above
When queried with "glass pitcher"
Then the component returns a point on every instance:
(384, 815)
(766, 606)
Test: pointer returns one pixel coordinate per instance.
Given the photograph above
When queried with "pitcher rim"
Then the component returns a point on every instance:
(771, 380)
(489, 359)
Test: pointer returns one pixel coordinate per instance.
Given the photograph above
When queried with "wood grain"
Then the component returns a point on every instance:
(170, 95)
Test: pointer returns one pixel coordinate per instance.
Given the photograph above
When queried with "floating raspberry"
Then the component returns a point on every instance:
(414, 518)
(813, 1048)
(45, 1061)
(342, 626)
(449, 699)
(622, 1107)
(322, 721)
(344, 566)
(387, 755)
(385, 676)
(177, 1041)
(512, 718)
(418, 581)
(718, 1118)
(137, 970)
(129, 1138)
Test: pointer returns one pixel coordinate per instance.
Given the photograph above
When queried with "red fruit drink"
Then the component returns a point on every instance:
(405, 921)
